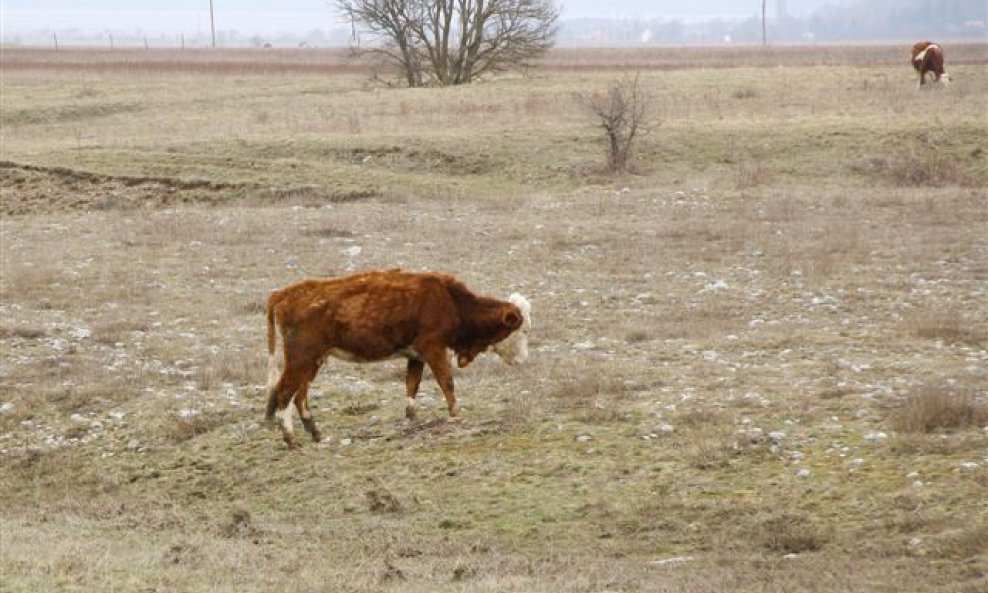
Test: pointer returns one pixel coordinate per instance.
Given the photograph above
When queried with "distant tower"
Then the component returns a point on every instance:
(781, 12)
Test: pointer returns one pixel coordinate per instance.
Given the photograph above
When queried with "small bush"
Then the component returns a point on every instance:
(937, 408)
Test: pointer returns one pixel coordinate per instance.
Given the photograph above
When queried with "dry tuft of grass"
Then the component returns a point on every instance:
(940, 407)
(381, 500)
(929, 168)
(227, 367)
(961, 544)
(748, 175)
(25, 333)
(790, 533)
(949, 326)
(190, 424)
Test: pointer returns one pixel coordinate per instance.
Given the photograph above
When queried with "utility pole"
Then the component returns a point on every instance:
(764, 37)
(212, 22)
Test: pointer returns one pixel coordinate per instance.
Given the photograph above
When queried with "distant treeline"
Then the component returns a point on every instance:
(864, 20)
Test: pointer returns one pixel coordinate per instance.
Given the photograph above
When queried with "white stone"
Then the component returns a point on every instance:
(673, 560)
(80, 333)
(803, 473)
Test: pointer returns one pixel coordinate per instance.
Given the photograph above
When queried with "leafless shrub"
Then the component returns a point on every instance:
(620, 112)
(939, 407)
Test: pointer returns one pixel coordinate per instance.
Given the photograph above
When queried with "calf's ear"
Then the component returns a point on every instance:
(511, 318)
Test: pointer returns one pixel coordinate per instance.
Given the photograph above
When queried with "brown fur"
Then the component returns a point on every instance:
(374, 316)
(930, 62)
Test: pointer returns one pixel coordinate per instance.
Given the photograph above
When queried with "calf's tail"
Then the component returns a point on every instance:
(272, 362)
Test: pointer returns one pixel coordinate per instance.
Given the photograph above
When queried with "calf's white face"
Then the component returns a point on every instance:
(514, 348)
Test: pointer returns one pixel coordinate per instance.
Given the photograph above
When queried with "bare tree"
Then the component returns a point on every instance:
(621, 113)
(450, 42)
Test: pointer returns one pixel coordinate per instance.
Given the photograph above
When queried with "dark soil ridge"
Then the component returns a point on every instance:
(35, 189)
(130, 180)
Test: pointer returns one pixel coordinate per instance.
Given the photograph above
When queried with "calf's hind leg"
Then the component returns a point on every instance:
(413, 377)
(302, 404)
(293, 381)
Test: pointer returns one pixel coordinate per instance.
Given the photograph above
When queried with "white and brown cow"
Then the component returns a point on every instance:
(380, 315)
(927, 58)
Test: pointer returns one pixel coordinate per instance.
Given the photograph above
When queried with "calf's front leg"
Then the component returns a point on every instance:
(439, 363)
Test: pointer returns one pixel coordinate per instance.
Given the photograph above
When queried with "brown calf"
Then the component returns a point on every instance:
(927, 57)
(378, 315)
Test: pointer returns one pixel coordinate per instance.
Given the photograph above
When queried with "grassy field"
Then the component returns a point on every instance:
(759, 362)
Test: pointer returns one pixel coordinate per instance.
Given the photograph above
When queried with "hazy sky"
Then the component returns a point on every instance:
(272, 16)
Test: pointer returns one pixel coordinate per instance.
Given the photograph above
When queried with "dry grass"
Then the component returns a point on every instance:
(949, 326)
(790, 534)
(703, 331)
(940, 407)
(931, 168)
